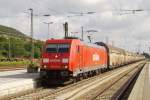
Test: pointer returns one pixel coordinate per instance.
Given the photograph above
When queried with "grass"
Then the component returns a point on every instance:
(14, 63)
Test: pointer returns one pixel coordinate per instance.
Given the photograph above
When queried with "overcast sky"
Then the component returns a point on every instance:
(121, 28)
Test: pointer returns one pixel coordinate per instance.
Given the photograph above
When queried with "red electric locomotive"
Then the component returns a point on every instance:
(65, 59)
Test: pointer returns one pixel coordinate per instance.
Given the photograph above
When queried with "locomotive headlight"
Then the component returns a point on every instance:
(45, 60)
(45, 66)
(65, 67)
(65, 60)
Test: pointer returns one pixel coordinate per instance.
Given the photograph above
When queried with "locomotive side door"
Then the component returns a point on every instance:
(80, 57)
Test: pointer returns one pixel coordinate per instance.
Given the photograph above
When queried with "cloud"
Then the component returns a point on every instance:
(125, 29)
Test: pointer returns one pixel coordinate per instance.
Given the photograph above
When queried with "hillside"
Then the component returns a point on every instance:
(5, 31)
(14, 44)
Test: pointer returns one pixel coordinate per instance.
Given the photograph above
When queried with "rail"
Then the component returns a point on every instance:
(123, 90)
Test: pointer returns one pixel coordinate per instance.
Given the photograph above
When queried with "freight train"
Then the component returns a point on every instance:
(65, 59)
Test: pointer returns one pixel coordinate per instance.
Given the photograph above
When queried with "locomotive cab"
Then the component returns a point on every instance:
(68, 59)
(56, 56)
(55, 59)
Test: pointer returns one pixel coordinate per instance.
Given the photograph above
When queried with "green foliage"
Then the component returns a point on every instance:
(37, 52)
(20, 45)
(19, 48)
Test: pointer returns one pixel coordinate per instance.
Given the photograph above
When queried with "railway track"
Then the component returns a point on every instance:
(92, 90)
(119, 88)
(77, 90)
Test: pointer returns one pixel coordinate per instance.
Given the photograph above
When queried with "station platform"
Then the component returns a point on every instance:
(13, 82)
(141, 89)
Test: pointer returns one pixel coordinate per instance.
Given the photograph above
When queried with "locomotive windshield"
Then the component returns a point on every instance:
(57, 48)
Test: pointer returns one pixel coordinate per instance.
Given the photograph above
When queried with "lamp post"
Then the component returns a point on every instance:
(48, 24)
(9, 47)
(32, 67)
(31, 30)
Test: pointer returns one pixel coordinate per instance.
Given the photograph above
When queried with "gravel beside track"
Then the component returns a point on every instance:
(10, 97)
(11, 68)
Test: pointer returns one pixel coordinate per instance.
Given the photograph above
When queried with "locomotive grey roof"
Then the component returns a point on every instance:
(93, 45)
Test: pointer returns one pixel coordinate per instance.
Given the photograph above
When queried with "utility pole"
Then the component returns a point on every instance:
(82, 33)
(9, 54)
(48, 24)
(32, 41)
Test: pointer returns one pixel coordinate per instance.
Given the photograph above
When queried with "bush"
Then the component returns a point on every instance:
(32, 67)
(19, 47)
